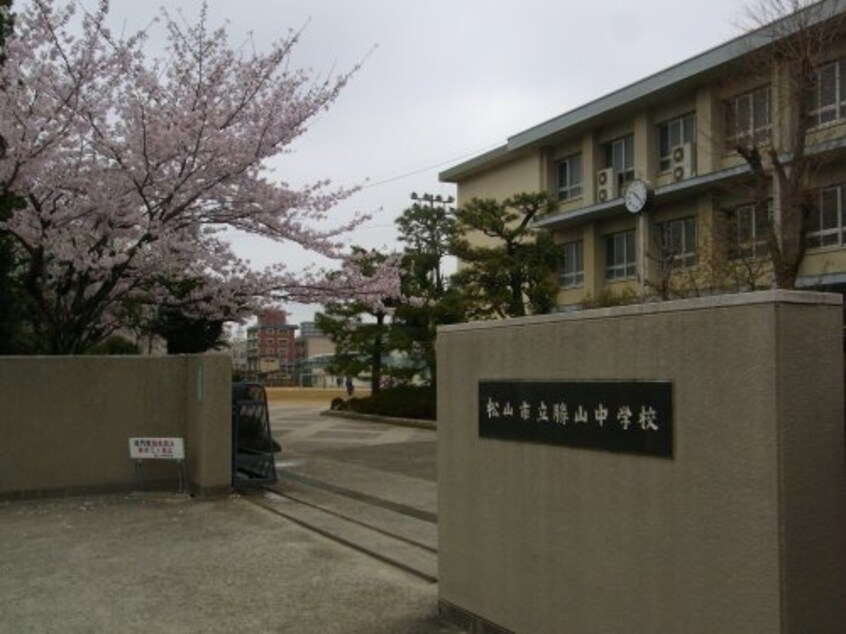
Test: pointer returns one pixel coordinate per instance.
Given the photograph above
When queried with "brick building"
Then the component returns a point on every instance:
(271, 353)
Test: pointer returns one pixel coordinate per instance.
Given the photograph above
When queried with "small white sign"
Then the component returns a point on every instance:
(156, 449)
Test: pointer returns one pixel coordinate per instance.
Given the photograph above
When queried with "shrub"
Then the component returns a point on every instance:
(400, 402)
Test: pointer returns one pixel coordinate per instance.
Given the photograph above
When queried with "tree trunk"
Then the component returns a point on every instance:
(376, 358)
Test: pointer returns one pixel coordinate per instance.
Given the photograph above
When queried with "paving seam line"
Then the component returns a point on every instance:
(403, 509)
(346, 542)
(367, 525)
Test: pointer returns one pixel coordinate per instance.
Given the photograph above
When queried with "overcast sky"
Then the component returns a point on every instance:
(444, 80)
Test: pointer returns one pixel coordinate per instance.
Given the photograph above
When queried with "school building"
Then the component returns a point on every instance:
(652, 197)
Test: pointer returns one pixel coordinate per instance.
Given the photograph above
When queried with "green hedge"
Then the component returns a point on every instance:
(398, 402)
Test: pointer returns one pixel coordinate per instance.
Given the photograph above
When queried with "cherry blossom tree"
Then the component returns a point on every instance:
(134, 169)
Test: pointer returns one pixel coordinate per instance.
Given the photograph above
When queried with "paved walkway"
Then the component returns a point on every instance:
(165, 563)
(370, 485)
(306, 435)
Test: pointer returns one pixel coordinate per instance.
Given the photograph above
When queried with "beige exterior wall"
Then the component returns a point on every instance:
(743, 530)
(66, 422)
(822, 262)
(313, 346)
(523, 174)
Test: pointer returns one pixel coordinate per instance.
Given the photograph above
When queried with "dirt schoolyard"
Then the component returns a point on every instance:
(310, 395)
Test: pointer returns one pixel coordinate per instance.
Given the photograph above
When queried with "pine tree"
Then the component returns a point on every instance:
(427, 229)
(508, 268)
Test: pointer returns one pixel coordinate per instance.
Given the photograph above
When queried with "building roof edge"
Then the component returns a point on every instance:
(450, 175)
(698, 64)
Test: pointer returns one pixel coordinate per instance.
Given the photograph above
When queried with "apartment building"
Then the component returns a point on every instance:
(652, 197)
(271, 353)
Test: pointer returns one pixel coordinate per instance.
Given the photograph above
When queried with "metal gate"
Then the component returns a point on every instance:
(252, 445)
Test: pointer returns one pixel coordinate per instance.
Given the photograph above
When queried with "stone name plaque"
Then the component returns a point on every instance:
(623, 416)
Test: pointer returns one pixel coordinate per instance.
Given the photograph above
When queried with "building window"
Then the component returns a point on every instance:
(826, 223)
(570, 177)
(828, 96)
(748, 120)
(748, 233)
(619, 154)
(678, 242)
(620, 255)
(571, 271)
(671, 134)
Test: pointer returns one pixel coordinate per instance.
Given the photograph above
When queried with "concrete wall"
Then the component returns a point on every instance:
(743, 530)
(65, 421)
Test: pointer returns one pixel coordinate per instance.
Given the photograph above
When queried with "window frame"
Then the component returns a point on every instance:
(838, 230)
(572, 189)
(620, 147)
(571, 277)
(687, 255)
(626, 268)
(665, 155)
(756, 132)
(838, 91)
(756, 245)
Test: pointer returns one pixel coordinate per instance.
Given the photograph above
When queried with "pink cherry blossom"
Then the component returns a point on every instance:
(130, 167)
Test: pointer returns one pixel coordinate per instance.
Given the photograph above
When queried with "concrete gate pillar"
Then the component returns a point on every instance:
(736, 524)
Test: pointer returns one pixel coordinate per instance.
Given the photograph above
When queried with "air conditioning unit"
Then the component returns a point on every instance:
(605, 184)
(683, 161)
